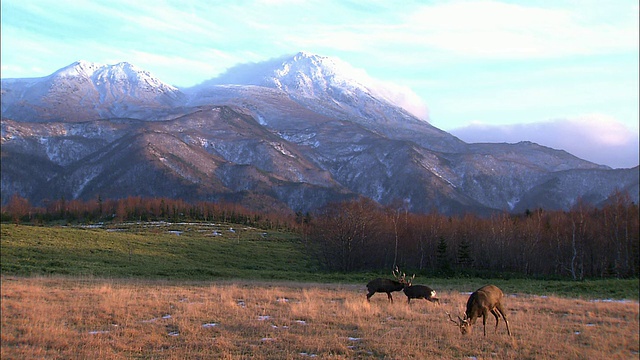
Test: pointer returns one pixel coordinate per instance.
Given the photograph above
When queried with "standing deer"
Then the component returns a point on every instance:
(484, 300)
(387, 285)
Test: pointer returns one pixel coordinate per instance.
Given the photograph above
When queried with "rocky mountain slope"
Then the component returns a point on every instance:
(291, 133)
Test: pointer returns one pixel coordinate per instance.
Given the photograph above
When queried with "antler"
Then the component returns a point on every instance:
(453, 321)
(396, 274)
(410, 280)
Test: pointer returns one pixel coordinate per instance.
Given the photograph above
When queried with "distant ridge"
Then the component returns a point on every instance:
(294, 133)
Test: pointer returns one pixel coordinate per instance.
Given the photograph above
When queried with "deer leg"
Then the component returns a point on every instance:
(369, 295)
(501, 311)
(484, 322)
(390, 297)
(495, 314)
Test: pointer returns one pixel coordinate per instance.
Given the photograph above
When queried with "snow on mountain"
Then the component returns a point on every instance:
(300, 131)
(308, 78)
(121, 74)
(311, 75)
(86, 91)
(79, 68)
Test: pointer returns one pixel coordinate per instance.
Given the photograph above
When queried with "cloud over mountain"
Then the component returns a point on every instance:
(597, 138)
(297, 134)
(305, 71)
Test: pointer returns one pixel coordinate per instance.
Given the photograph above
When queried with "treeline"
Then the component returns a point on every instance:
(586, 242)
(361, 235)
(136, 208)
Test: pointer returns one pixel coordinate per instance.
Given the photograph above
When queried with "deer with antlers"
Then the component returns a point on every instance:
(487, 299)
(387, 285)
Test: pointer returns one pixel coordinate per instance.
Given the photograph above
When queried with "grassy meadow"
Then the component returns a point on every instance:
(74, 318)
(222, 291)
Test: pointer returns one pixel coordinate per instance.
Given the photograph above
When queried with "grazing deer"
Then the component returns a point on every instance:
(487, 299)
(387, 285)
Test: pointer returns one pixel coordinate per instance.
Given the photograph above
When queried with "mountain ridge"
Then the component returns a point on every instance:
(297, 135)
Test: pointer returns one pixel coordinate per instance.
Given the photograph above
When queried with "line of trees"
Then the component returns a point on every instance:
(136, 208)
(586, 242)
(361, 235)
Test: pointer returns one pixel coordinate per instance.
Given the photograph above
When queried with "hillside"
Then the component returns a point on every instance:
(293, 133)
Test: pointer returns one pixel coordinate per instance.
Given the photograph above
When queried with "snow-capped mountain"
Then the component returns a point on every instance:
(306, 76)
(87, 91)
(291, 133)
(124, 78)
(329, 87)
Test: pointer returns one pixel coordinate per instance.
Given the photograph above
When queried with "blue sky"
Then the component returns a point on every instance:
(560, 73)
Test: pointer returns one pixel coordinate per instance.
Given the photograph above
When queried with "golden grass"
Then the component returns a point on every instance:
(62, 318)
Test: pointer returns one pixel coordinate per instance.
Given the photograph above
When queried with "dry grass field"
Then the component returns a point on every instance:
(76, 318)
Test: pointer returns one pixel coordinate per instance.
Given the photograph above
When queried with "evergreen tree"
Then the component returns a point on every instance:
(464, 254)
(442, 258)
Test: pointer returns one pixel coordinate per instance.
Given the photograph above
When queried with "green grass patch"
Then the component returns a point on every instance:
(188, 251)
(226, 251)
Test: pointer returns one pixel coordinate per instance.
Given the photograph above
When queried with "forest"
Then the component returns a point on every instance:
(361, 235)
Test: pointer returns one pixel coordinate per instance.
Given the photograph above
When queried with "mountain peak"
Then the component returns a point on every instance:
(308, 77)
(79, 68)
(125, 71)
(304, 54)
(120, 72)
(301, 64)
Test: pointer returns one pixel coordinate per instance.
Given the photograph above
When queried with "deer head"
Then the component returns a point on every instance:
(463, 324)
(402, 278)
(408, 282)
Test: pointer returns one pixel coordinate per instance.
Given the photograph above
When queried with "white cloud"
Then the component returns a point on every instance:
(399, 95)
(492, 29)
(480, 29)
(597, 138)
(403, 97)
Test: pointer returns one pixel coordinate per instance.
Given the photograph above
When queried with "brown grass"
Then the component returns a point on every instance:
(60, 318)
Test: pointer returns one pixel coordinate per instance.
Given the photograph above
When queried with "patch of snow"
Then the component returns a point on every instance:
(307, 354)
(513, 202)
(623, 301)
(279, 147)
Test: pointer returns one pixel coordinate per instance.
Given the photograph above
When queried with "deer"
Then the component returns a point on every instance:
(419, 292)
(387, 285)
(487, 299)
